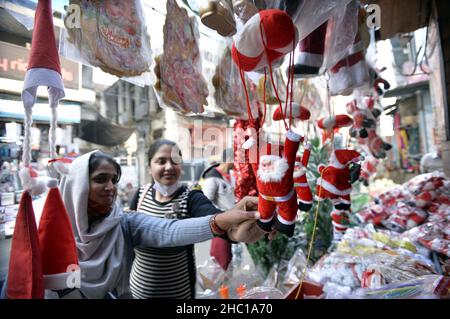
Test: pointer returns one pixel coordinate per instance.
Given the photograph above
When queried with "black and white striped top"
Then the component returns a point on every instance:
(168, 272)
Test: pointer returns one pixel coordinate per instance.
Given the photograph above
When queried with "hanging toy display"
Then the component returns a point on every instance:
(183, 86)
(335, 184)
(331, 124)
(112, 36)
(361, 120)
(310, 53)
(242, 170)
(39, 259)
(368, 169)
(298, 112)
(301, 185)
(277, 200)
(218, 15)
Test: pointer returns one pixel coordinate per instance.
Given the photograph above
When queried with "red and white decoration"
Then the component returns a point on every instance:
(334, 184)
(301, 185)
(41, 259)
(310, 53)
(298, 112)
(277, 200)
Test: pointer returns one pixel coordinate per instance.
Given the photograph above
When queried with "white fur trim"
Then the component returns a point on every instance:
(292, 136)
(284, 221)
(310, 59)
(279, 199)
(249, 143)
(305, 201)
(59, 281)
(42, 77)
(308, 146)
(248, 40)
(299, 173)
(332, 189)
(279, 171)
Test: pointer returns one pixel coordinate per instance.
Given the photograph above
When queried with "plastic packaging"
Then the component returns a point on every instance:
(295, 269)
(183, 86)
(263, 293)
(418, 288)
(229, 92)
(111, 36)
(210, 276)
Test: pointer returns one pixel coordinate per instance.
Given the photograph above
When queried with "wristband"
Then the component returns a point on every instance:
(216, 230)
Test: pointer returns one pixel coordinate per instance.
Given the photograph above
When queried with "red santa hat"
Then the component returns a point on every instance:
(57, 242)
(335, 122)
(298, 112)
(265, 38)
(350, 72)
(345, 157)
(310, 53)
(43, 69)
(25, 279)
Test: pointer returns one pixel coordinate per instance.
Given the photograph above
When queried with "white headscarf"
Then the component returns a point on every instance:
(101, 249)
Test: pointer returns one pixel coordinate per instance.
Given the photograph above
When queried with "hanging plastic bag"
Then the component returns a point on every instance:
(341, 31)
(109, 35)
(229, 93)
(210, 275)
(183, 86)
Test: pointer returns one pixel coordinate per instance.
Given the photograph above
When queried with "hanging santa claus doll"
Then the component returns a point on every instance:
(275, 182)
(334, 183)
(304, 194)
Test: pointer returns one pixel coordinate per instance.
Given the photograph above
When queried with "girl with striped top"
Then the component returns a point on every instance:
(166, 272)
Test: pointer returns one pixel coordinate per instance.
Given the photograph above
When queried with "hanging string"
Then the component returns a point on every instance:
(264, 97)
(52, 132)
(26, 156)
(247, 100)
(271, 72)
(308, 257)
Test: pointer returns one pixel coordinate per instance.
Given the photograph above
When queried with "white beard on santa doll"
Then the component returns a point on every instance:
(272, 168)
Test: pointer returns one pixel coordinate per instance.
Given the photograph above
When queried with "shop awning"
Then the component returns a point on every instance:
(68, 113)
(94, 128)
(407, 90)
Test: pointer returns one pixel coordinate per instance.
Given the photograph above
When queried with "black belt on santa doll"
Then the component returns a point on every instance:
(284, 198)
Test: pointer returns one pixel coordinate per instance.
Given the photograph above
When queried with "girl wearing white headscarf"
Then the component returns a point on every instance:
(105, 236)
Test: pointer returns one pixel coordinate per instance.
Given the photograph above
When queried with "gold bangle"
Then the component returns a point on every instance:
(216, 230)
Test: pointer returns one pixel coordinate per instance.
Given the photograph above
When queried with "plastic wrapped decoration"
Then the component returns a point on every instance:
(243, 173)
(112, 35)
(426, 287)
(228, 92)
(263, 293)
(183, 86)
(210, 276)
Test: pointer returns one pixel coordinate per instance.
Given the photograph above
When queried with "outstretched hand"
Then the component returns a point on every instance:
(240, 222)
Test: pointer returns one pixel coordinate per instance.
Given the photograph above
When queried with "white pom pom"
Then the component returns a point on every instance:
(52, 183)
(249, 143)
(35, 185)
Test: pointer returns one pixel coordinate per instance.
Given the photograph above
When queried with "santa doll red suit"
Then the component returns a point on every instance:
(304, 194)
(275, 182)
(310, 53)
(334, 183)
